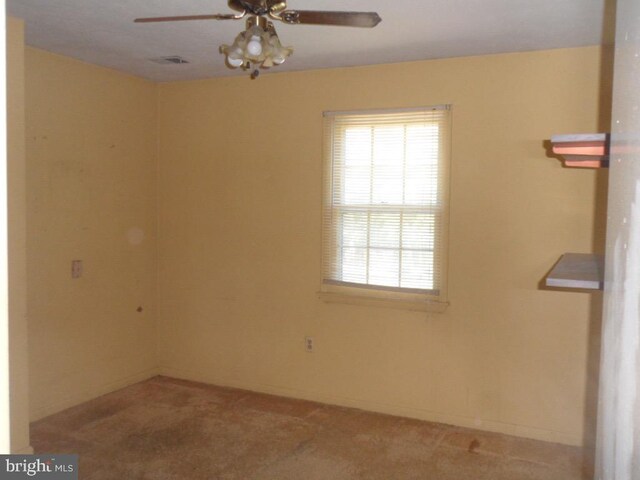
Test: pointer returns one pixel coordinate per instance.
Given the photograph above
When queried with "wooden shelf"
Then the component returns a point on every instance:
(590, 150)
(578, 270)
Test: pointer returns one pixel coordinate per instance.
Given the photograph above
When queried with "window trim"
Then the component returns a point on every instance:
(336, 291)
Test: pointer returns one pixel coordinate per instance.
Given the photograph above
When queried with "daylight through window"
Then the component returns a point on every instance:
(385, 208)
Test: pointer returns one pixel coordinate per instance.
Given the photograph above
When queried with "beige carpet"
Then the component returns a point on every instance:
(172, 429)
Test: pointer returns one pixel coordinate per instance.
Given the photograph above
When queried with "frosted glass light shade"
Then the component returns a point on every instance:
(256, 46)
(235, 62)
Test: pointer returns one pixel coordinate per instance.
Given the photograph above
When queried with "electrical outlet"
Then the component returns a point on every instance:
(308, 344)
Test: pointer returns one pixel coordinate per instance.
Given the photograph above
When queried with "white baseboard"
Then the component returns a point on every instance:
(73, 400)
(401, 411)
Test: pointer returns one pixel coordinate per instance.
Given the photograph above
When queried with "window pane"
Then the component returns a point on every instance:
(387, 185)
(354, 229)
(418, 231)
(421, 185)
(384, 230)
(422, 144)
(357, 186)
(384, 267)
(357, 148)
(388, 145)
(417, 270)
(354, 265)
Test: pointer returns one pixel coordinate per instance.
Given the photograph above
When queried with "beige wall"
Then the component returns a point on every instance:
(91, 155)
(16, 175)
(239, 252)
(239, 240)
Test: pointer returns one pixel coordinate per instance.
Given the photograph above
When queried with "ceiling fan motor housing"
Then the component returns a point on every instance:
(258, 7)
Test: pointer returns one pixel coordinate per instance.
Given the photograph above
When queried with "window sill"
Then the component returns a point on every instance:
(368, 301)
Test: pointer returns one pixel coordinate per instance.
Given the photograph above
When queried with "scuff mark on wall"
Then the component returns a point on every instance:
(135, 236)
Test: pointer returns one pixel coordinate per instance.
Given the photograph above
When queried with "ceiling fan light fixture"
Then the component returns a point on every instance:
(235, 62)
(258, 45)
(254, 46)
(278, 53)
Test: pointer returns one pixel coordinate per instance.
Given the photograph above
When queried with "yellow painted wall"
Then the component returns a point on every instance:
(16, 177)
(239, 252)
(91, 157)
(239, 240)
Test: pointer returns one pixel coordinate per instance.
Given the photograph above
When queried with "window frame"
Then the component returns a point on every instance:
(381, 296)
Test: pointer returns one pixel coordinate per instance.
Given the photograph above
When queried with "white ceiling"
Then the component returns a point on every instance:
(102, 32)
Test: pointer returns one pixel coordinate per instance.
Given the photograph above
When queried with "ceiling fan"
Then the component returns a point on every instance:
(259, 45)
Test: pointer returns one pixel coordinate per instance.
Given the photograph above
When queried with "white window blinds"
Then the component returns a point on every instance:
(385, 204)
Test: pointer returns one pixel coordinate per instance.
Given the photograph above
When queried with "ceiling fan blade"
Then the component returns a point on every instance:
(346, 19)
(188, 17)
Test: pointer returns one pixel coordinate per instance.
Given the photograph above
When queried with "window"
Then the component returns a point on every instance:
(385, 207)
